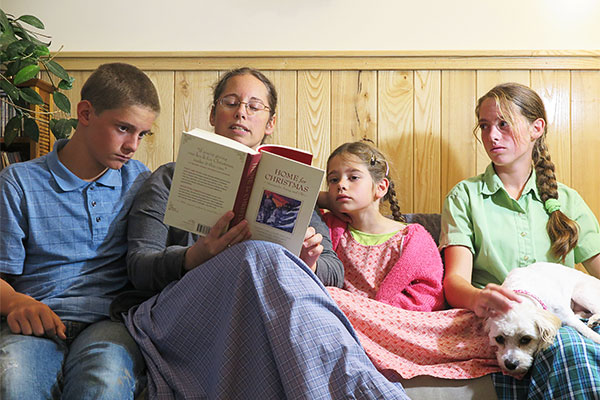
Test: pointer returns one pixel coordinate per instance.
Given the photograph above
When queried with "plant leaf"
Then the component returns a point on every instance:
(41, 51)
(62, 102)
(10, 89)
(12, 129)
(61, 128)
(26, 74)
(66, 84)
(6, 26)
(6, 38)
(31, 20)
(56, 69)
(31, 96)
(31, 129)
(74, 122)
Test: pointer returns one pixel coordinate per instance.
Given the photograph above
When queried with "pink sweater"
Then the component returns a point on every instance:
(413, 282)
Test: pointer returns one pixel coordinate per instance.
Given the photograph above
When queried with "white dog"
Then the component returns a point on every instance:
(551, 293)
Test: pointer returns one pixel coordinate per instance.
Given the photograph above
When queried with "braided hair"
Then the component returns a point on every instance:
(377, 166)
(514, 99)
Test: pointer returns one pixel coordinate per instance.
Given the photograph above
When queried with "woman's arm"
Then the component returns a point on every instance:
(461, 294)
(592, 266)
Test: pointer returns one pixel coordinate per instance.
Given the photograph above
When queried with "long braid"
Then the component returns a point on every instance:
(513, 99)
(563, 231)
(394, 206)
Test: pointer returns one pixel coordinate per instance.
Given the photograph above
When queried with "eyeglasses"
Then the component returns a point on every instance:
(232, 103)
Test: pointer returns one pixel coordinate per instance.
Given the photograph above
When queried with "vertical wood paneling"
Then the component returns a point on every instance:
(554, 87)
(157, 149)
(485, 81)
(193, 100)
(314, 114)
(353, 106)
(458, 120)
(74, 94)
(285, 127)
(585, 117)
(395, 130)
(427, 141)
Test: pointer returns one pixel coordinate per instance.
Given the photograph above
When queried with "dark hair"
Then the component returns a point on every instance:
(220, 86)
(118, 85)
(378, 167)
(512, 98)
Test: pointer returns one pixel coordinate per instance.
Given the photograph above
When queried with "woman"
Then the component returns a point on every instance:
(511, 216)
(237, 318)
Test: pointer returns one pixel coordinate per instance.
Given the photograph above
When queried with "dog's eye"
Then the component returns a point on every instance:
(499, 339)
(525, 340)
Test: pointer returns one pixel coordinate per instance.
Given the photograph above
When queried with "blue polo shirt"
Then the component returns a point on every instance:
(504, 233)
(63, 240)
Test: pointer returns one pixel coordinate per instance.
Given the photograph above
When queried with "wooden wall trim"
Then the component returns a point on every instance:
(339, 61)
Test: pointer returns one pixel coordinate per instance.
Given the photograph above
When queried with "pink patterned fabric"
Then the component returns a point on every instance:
(406, 271)
(449, 344)
(399, 337)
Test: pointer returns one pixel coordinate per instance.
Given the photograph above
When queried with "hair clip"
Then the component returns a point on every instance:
(387, 168)
(373, 160)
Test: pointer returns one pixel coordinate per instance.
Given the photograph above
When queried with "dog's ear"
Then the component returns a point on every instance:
(547, 325)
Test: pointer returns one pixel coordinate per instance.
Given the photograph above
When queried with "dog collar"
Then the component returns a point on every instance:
(531, 295)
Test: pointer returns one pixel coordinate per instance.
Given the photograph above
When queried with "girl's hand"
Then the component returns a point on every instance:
(215, 242)
(493, 300)
(323, 202)
(311, 248)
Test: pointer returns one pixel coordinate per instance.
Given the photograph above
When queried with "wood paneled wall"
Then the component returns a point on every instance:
(417, 107)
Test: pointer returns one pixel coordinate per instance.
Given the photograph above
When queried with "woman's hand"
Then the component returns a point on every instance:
(493, 300)
(216, 241)
(311, 248)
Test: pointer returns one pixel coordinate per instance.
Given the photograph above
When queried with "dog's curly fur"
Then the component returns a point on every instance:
(527, 328)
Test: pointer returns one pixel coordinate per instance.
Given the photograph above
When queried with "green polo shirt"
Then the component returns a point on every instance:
(503, 233)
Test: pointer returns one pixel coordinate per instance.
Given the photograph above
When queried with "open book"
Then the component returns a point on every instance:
(274, 188)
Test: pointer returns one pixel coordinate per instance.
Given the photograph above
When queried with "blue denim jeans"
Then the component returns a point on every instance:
(97, 361)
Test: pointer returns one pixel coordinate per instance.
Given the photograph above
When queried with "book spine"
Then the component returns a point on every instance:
(244, 189)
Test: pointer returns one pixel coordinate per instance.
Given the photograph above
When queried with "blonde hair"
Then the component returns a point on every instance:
(515, 100)
(378, 168)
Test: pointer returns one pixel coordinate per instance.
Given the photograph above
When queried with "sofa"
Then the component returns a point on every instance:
(430, 388)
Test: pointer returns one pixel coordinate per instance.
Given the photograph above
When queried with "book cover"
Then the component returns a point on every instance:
(273, 191)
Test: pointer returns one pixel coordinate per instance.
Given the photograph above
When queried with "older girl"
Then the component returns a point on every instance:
(512, 215)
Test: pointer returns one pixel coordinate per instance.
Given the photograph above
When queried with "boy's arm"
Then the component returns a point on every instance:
(27, 316)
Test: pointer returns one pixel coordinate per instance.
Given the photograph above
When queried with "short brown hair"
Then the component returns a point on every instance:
(118, 85)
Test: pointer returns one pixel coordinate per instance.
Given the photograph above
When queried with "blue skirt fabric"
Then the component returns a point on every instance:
(253, 323)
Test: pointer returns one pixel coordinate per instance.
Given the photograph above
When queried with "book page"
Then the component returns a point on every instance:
(205, 183)
(282, 200)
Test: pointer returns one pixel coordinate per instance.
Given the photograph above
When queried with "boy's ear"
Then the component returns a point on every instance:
(270, 125)
(381, 188)
(84, 112)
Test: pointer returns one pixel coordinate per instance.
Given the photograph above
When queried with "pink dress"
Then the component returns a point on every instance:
(402, 338)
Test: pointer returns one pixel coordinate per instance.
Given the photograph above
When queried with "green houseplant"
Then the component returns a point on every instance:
(23, 57)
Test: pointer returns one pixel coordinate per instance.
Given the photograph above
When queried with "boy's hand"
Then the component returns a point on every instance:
(311, 248)
(212, 244)
(28, 316)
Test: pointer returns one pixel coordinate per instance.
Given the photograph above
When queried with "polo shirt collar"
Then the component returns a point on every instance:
(492, 183)
(68, 181)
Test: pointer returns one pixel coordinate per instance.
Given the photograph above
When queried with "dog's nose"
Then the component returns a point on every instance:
(511, 365)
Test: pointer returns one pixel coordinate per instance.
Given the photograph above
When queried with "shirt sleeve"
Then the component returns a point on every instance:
(330, 269)
(13, 225)
(456, 225)
(588, 244)
(154, 259)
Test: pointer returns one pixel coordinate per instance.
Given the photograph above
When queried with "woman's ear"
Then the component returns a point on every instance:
(381, 188)
(211, 117)
(270, 125)
(537, 129)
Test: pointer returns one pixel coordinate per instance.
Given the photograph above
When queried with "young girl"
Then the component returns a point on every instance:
(512, 215)
(384, 259)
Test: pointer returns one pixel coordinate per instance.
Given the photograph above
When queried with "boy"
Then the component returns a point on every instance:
(63, 227)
